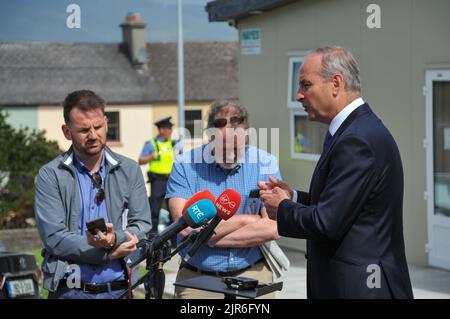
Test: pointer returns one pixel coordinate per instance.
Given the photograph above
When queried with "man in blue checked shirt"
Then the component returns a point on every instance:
(225, 162)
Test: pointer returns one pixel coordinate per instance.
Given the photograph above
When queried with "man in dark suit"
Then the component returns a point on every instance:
(352, 214)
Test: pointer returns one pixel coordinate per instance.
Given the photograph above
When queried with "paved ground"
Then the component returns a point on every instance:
(427, 282)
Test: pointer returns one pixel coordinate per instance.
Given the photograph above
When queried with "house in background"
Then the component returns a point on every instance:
(405, 72)
(138, 80)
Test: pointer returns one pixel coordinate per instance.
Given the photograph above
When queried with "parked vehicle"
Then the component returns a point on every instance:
(19, 275)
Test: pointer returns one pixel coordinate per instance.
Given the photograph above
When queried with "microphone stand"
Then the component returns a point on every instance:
(188, 240)
(154, 279)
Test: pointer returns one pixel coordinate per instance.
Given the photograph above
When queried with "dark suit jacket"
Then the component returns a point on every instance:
(352, 215)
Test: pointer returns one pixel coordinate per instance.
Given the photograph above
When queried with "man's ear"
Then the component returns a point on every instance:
(66, 132)
(106, 123)
(338, 84)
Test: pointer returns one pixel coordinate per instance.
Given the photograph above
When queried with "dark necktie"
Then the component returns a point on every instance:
(326, 141)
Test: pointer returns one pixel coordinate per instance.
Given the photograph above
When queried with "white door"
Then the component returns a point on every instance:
(438, 166)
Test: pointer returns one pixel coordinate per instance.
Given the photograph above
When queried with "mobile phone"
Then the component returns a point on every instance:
(96, 224)
(254, 193)
(240, 283)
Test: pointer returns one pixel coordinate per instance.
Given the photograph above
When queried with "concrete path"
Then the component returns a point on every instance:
(428, 283)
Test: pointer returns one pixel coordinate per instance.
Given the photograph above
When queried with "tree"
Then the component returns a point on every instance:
(22, 153)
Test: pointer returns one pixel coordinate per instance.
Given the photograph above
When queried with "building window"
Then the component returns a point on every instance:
(294, 70)
(190, 116)
(113, 126)
(306, 137)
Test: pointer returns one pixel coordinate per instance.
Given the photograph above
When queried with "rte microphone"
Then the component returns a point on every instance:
(198, 196)
(196, 215)
(227, 205)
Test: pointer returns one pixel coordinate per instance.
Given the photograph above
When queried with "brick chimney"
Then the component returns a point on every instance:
(134, 38)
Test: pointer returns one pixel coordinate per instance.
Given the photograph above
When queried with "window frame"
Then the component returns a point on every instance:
(294, 155)
(194, 139)
(117, 126)
(292, 60)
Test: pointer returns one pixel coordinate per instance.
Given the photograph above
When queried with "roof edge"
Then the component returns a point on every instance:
(226, 10)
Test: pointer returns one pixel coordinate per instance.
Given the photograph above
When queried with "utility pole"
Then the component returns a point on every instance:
(180, 47)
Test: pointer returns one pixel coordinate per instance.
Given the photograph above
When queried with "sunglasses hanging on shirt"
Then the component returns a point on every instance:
(98, 181)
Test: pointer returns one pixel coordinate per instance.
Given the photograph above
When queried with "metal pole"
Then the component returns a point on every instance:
(181, 123)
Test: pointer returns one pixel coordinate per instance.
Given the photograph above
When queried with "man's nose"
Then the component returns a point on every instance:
(228, 133)
(92, 133)
(226, 130)
(300, 96)
(223, 132)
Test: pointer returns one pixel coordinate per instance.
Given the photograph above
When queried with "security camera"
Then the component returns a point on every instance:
(232, 23)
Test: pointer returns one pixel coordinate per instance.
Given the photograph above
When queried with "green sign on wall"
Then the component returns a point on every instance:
(250, 41)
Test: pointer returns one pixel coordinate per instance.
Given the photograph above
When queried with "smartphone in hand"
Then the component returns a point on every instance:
(254, 193)
(96, 224)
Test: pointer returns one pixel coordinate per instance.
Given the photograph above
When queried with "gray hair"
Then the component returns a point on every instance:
(335, 60)
(226, 105)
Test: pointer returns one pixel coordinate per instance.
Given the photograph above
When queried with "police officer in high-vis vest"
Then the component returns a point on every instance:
(159, 153)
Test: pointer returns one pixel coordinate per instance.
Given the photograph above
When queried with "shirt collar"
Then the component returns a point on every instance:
(83, 169)
(209, 157)
(160, 139)
(227, 171)
(343, 114)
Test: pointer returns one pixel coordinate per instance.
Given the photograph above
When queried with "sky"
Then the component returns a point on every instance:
(45, 21)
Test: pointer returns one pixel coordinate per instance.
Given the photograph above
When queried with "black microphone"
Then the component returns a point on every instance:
(196, 215)
(227, 205)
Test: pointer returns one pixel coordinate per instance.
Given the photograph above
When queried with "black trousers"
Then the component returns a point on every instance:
(157, 193)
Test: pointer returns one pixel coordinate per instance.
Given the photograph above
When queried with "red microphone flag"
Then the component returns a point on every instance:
(198, 196)
(228, 203)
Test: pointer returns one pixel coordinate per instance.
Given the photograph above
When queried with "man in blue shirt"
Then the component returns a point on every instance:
(87, 182)
(226, 162)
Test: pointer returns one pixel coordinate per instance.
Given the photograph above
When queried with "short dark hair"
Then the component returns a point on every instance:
(84, 100)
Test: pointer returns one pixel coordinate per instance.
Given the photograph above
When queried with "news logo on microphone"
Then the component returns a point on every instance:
(225, 205)
(228, 203)
(201, 212)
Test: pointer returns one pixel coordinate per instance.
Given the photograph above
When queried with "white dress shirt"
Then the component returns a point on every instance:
(343, 114)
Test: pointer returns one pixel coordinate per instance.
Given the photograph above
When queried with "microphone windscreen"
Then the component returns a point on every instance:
(227, 204)
(200, 213)
(198, 196)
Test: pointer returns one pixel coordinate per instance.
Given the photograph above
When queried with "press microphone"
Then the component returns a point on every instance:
(198, 196)
(196, 215)
(227, 204)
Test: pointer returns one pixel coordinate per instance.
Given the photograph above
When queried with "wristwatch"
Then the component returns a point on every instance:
(113, 244)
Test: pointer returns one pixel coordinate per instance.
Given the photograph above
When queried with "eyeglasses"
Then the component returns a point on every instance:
(234, 121)
(97, 181)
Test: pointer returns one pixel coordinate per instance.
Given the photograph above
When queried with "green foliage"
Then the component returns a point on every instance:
(22, 153)
(39, 259)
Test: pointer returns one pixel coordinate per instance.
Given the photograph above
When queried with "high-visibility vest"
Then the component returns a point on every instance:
(164, 162)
